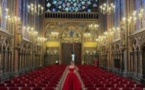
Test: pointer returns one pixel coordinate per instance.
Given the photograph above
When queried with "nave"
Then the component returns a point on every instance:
(51, 78)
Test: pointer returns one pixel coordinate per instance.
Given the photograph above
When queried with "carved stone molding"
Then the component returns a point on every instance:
(140, 38)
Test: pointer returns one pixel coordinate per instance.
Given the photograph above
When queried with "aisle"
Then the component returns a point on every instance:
(61, 82)
(52, 77)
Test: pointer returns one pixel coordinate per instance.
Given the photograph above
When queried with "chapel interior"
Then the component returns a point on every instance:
(105, 36)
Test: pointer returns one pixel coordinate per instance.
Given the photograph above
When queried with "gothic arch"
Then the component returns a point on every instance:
(113, 49)
(69, 25)
(71, 33)
(52, 25)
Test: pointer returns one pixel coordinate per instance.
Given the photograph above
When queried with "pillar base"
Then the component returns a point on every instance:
(138, 77)
(125, 74)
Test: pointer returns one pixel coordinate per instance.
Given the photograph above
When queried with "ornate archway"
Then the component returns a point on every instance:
(71, 42)
(80, 34)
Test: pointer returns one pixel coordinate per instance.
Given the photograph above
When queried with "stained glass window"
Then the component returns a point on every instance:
(71, 5)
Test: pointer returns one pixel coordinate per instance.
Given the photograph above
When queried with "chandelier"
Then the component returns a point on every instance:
(93, 26)
(41, 40)
(107, 8)
(35, 9)
(92, 30)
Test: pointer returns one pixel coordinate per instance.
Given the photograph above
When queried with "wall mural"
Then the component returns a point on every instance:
(52, 33)
(70, 32)
(71, 35)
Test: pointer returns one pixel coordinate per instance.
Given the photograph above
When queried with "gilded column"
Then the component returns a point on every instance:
(16, 39)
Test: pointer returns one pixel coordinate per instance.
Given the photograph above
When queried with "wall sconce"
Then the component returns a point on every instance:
(55, 51)
(41, 40)
(93, 27)
(94, 52)
(87, 52)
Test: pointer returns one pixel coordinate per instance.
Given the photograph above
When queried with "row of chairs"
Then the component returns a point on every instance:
(26, 88)
(46, 78)
(98, 79)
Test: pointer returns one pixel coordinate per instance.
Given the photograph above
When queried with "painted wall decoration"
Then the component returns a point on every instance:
(52, 33)
(20, 23)
(70, 34)
(122, 25)
(19, 8)
(3, 21)
(117, 13)
(137, 6)
(122, 12)
(143, 6)
(25, 19)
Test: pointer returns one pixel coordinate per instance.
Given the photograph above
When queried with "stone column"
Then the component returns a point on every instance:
(135, 63)
(131, 63)
(125, 63)
(140, 65)
(0, 63)
(121, 63)
(112, 63)
(5, 60)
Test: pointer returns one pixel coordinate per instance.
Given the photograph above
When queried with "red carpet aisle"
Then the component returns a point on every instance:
(43, 79)
(61, 83)
(99, 79)
(51, 78)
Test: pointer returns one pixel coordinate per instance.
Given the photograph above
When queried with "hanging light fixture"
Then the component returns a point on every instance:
(35, 9)
(107, 8)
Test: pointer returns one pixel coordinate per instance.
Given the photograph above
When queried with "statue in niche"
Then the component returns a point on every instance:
(71, 33)
(77, 34)
(65, 34)
(122, 35)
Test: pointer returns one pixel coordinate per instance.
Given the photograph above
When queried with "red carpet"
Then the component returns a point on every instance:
(93, 78)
